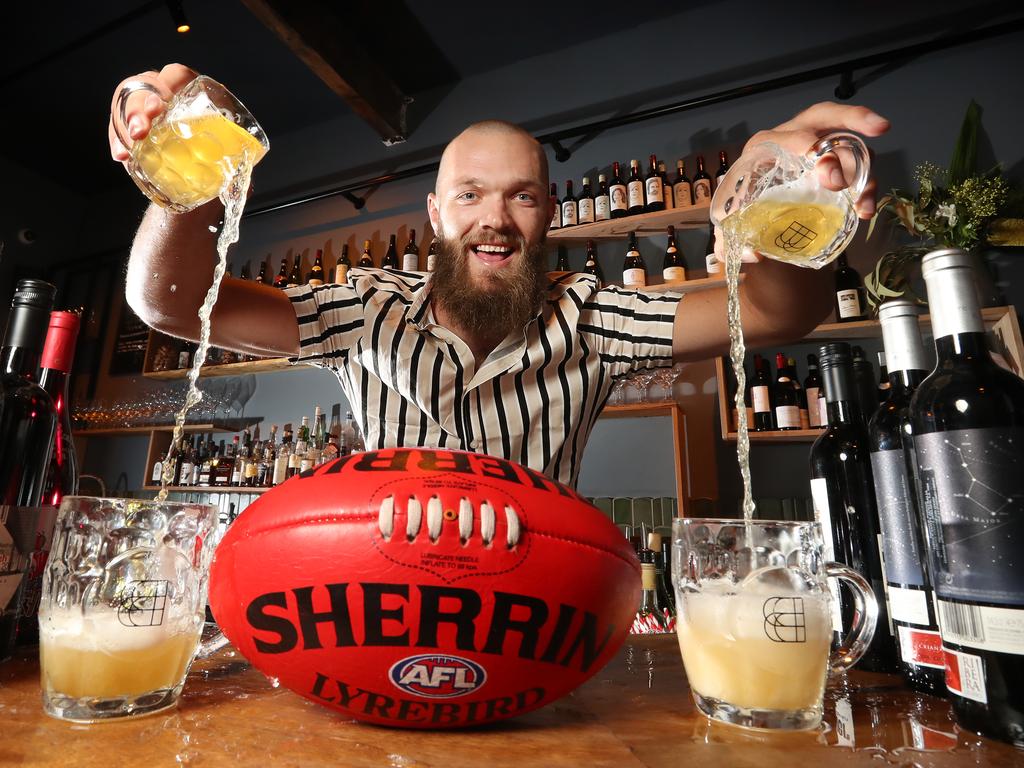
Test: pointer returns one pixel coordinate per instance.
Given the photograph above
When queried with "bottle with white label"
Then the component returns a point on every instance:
(682, 190)
(569, 207)
(602, 203)
(804, 416)
(654, 190)
(585, 204)
(157, 473)
(411, 254)
(701, 184)
(634, 272)
(556, 208)
(635, 188)
(761, 396)
(842, 488)
(967, 419)
(673, 269)
(432, 254)
(666, 186)
(787, 397)
(618, 194)
(851, 301)
(343, 266)
(593, 267)
(918, 644)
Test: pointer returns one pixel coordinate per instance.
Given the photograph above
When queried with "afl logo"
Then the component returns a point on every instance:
(436, 676)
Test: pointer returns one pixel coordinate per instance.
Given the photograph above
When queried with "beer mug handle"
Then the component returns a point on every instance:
(117, 110)
(865, 618)
(212, 645)
(857, 150)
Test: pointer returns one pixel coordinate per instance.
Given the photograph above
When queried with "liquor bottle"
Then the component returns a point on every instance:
(263, 277)
(300, 449)
(570, 209)
(714, 265)
(432, 255)
(239, 456)
(391, 255)
(804, 416)
(295, 277)
(967, 419)
(851, 301)
(654, 192)
(602, 204)
(58, 356)
(28, 416)
(556, 213)
(916, 632)
(864, 380)
(366, 261)
(650, 616)
(761, 396)
(281, 281)
(562, 264)
(187, 462)
(634, 271)
(787, 398)
(246, 274)
(251, 467)
(812, 388)
(349, 435)
(229, 270)
(635, 188)
(205, 464)
(319, 436)
(333, 448)
(682, 190)
(673, 270)
(701, 184)
(316, 272)
(842, 489)
(593, 266)
(618, 194)
(665, 598)
(666, 186)
(723, 167)
(343, 266)
(281, 458)
(411, 254)
(884, 386)
(585, 204)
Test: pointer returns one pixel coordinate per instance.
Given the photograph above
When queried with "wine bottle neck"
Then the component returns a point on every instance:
(963, 348)
(19, 361)
(903, 382)
(843, 412)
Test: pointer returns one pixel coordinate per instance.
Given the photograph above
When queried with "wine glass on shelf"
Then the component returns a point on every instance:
(642, 381)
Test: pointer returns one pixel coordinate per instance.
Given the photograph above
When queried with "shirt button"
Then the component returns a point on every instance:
(475, 444)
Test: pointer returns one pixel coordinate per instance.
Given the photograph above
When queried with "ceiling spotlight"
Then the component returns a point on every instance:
(178, 15)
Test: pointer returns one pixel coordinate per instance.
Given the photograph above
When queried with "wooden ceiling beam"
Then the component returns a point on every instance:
(318, 34)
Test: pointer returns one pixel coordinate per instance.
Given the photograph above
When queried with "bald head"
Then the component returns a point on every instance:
(498, 136)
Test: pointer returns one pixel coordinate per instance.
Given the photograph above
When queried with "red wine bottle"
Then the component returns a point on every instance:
(761, 396)
(58, 356)
(967, 419)
(915, 631)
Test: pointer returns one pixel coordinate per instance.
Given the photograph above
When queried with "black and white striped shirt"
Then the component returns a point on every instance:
(534, 400)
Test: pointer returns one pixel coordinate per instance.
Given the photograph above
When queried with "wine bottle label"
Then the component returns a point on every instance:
(158, 469)
(556, 220)
(431, 260)
(636, 194)
(849, 303)
(602, 208)
(898, 519)
(813, 411)
(236, 474)
(804, 419)
(787, 417)
(908, 604)
(922, 647)
(666, 194)
(971, 501)
(314, 282)
(634, 278)
(655, 191)
(586, 210)
(617, 194)
(759, 396)
(186, 473)
(569, 213)
(305, 463)
(410, 262)
(683, 194)
(280, 470)
(822, 412)
(986, 627)
(823, 514)
(965, 675)
(702, 191)
(673, 274)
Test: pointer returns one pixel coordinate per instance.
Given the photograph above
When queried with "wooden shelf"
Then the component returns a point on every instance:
(206, 489)
(779, 436)
(228, 369)
(867, 329)
(639, 410)
(227, 425)
(694, 217)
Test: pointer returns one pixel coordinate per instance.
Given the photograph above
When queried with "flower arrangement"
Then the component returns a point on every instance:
(955, 207)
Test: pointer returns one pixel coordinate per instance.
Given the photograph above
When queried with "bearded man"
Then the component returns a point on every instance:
(486, 353)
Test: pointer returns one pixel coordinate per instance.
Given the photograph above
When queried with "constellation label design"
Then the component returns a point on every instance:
(795, 237)
(142, 604)
(784, 620)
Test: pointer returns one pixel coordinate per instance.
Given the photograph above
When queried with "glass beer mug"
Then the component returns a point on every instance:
(194, 147)
(123, 605)
(771, 201)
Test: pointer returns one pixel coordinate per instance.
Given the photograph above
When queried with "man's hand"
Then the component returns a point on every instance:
(143, 106)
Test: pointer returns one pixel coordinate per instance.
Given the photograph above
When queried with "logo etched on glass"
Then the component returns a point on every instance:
(142, 604)
(784, 620)
(795, 237)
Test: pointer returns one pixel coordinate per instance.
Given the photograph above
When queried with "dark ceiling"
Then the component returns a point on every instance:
(59, 63)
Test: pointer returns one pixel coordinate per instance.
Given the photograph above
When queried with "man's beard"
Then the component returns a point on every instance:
(502, 301)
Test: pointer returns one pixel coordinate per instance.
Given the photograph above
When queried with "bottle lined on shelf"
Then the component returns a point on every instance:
(781, 402)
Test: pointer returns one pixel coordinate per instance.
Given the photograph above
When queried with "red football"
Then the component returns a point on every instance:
(425, 588)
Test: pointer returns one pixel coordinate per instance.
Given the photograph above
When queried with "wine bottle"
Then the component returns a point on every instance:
(761, 396)
(967, 419)
(666, 186)
(650, 615)
(432, 255)
(682, 190)
(411, 254)
(851, 301)
(366, 261)
(295, 277)
(665, 598)
(602, 204)
(916, 632)
(187, 462)
(562, 263)
(804, 417)
(281, 281)
(593, 267)
(654, 192)
(842, 490)
(262, 277)
(673, 269)
(569, 208)
(343, 266)
(556, 214)
(618, 194)
(864, 380)
(246, 274)
(634, 271)
(723, 168)
(585, 204)
(391, 255)
(884, 386)
(28, 416)
(635, 189)
(812, 388)
(787, 397)
(58, 356)
(701, 184)
(316, 272)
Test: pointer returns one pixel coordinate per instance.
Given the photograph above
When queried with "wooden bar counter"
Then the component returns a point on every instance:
(637, 712)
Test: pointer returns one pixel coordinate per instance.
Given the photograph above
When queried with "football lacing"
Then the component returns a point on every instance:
(435, 520)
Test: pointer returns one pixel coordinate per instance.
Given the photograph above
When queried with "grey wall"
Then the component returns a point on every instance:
(924, 98)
